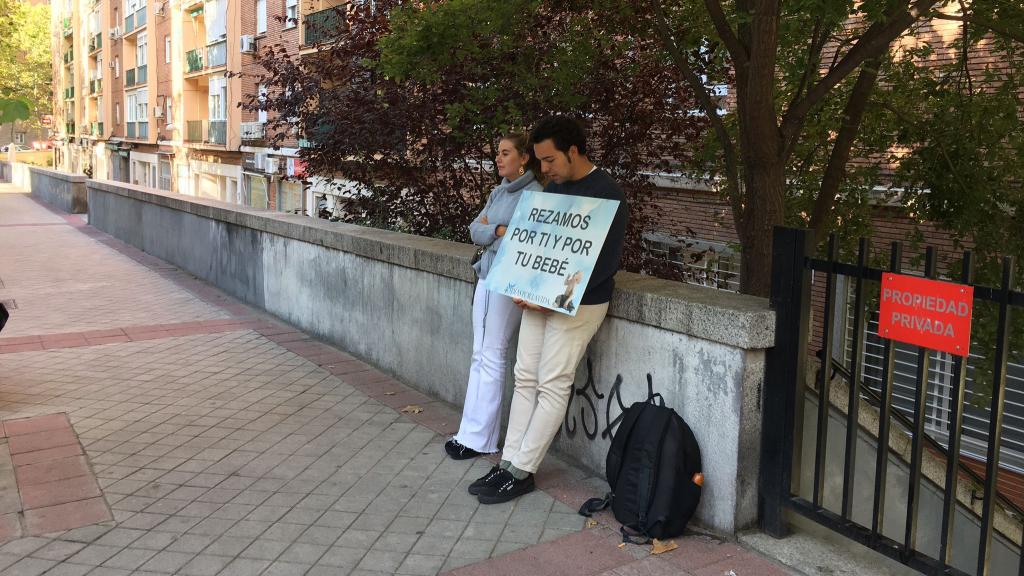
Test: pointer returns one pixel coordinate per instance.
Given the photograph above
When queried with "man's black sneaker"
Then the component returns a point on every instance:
(508, 488)
(457, 451)
(486, 483)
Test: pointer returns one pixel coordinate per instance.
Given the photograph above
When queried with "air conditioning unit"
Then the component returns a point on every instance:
(159, 8)
(110, 64)
(115, 32)
(272, 165)
(158, 112)
(259, 160)
(248, 44)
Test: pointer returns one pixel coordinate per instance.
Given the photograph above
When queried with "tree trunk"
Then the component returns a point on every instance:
(765, 183)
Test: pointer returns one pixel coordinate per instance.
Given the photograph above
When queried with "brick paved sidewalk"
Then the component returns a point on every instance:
(225, 442)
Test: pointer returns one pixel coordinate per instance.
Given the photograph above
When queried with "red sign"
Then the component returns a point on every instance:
(928, 313)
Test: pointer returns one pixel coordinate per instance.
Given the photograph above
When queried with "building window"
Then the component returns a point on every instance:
(140, 50)
(19, 137)
(165, 175)
(289, 196)
(167, 49)
(291, 13)
(169, 111)
(262, 114)
(257, 192)
(117, 113)
(261, 16)
(117, 67)
(218, 98)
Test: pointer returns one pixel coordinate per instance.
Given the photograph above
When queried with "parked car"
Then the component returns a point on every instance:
(17, 148)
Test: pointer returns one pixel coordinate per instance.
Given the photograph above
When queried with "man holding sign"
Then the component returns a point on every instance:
(558, 261)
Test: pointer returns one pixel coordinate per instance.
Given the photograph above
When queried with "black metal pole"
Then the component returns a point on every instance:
(856, 370)
(784, 374)
(885, 410)
(995, 423)
(917, 442)
(956, 416)
(825, 373)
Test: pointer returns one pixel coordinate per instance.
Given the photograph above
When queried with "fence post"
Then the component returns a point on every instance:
(785, 375)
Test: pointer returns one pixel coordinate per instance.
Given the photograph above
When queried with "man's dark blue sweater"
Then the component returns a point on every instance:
(599, 184)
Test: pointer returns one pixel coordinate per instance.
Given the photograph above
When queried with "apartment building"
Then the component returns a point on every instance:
(147, 91)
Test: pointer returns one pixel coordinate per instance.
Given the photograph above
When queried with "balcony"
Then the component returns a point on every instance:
(217, 54)
(135, 20)
(206, 131)
(129, 78)
(69, 93)
(253, 130)
(138, 130)
(69, 57)
(218, 132)
(194, 131)
(96, 86)
(69, 128)
(95, 43)
(97, 129)
(323, 26)
(193, 61)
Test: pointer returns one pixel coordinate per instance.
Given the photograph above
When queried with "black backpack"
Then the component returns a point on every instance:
(654, 471)
(4, 315)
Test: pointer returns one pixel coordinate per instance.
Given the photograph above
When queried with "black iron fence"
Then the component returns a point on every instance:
(926, 411)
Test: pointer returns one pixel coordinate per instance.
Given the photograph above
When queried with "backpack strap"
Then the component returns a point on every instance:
(595, 505)
(632, 535)
(661, 399)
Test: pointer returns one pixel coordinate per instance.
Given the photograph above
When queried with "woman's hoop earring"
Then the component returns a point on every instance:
(522, 170)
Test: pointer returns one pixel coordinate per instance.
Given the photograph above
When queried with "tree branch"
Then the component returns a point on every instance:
(835, 170)
(873, 42)
(706, 103)
(813, 58)
(737, 51)
(988, 24)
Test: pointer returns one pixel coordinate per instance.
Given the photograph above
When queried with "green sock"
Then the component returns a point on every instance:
(517, 473)
(504, 464)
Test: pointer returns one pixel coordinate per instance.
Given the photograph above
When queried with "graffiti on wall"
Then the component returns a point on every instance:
(585, 401)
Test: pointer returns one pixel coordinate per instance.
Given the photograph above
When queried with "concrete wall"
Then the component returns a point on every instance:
(15, 173)
(59, 189)
(403, 303)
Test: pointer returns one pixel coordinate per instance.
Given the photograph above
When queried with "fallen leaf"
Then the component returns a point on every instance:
(659, 547)
(412, 409)
(591, 523)
(622, 545)
(390, 393)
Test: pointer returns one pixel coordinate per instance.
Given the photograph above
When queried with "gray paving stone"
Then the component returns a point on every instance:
(268, 513)
(86, 533)
(23, 546)
(454, 562)
(245, 567)
(340, 556)
(167, 561)
(454, 511)
(323, 535)
(264, 549)
(472, 548)
(155, 540)
(205, 565)
(58, 550)
(432, 546)
(302, 552)
(248, 528)
(28, 567)
(381, 561)
(409, 525)
(287, 569)
(483, 530)
(228, 546)
(212, 526)
(373, 521)
(336, 519)
(355, 538)
(192, 543)
(564, 521)
(445, 528)
(420, 565)
(66, 569)
(302, 515)
(395, 542)
(120, 537)
(129, 558)
(504, 547)
(522, 533)
(94, 554)
(286, 532)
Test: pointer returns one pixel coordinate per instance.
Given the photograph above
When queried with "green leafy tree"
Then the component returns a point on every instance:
(25, 59)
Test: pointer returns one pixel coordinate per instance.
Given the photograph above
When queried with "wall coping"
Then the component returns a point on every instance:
(58, 174)
(737, 320)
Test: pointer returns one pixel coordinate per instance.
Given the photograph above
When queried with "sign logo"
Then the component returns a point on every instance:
(927, 313)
